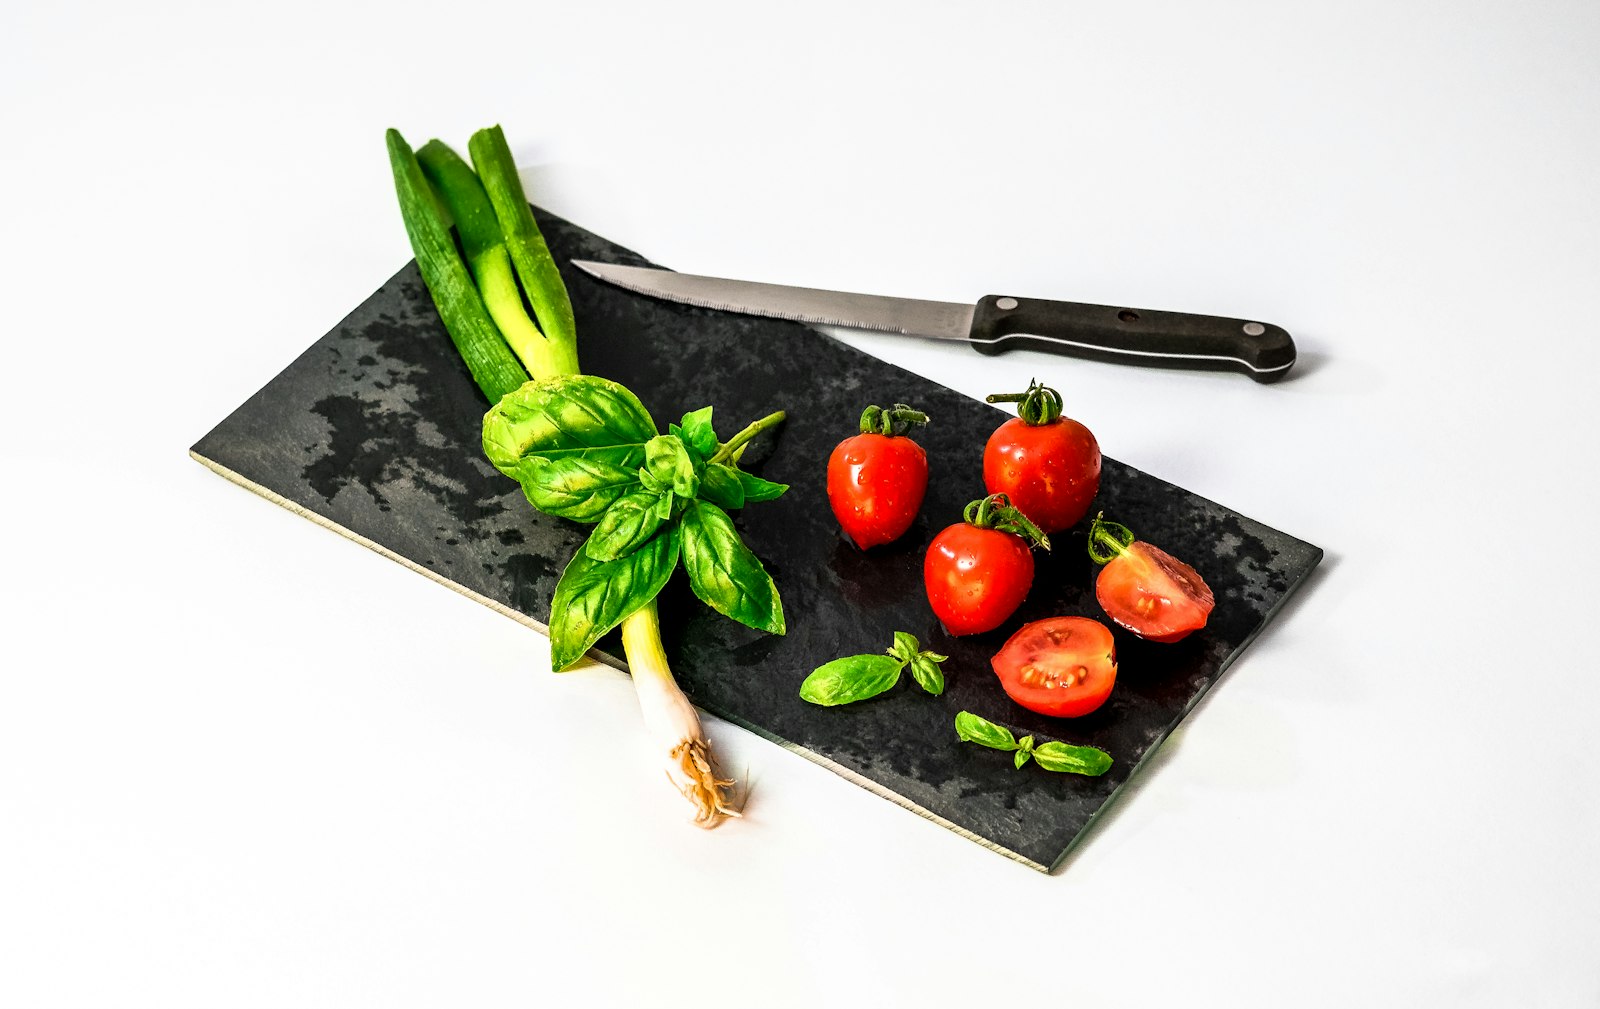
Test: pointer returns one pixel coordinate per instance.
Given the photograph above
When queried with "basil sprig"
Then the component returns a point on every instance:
(858, 677)
(1052, 756)
(584, 448)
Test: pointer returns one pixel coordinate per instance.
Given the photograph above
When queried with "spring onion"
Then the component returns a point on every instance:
(584, 448)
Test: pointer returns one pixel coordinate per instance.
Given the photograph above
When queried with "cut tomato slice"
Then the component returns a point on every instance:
(1063, 666)
(1153, 594)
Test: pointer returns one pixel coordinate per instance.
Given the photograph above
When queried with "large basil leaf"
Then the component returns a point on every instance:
(724, 573)
(566, 415)
(852, 678)
(928, 674)
(984, 732)
(1071, 759)
(757, 490)
(577, 487)
(593, 596)
(632, 520)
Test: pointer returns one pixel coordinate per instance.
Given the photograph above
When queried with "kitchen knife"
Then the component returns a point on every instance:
(996, 324)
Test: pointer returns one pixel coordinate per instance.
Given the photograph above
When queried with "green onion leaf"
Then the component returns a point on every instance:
(529, 254)
(493, 366)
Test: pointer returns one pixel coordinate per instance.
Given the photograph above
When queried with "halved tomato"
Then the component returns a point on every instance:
(1063, 666)
(1153, 594)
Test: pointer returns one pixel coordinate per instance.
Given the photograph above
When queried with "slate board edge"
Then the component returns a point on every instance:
(604, 659)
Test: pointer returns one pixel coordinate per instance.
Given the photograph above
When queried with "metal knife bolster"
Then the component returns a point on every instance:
(1132, 336)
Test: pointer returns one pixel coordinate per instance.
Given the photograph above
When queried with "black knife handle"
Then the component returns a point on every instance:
(1132, 336)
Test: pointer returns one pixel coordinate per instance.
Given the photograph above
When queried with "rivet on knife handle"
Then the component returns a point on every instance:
(1132, 336)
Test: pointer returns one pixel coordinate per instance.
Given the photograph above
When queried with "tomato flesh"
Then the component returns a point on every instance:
(1050, 471)
(1064, 667)
(1153, 594)
(976, 578)
(876, 484)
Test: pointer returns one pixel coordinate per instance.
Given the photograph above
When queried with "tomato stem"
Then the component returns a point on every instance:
(1108, 540)
(894, 422)
(1037, 406)
(997, 512)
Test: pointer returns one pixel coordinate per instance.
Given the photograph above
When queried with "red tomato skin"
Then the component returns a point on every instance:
(976, 578)
(875, 485)
(1043, 651)
(1050, 471)
(1153, 594)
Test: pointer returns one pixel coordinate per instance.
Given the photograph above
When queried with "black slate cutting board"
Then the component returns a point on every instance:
(375, 431)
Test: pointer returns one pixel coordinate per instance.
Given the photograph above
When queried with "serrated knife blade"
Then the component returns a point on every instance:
(937, 320)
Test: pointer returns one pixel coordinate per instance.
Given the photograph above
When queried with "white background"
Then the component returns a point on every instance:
(244, 762)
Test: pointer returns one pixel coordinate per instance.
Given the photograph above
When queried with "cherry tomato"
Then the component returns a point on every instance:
(977, 572)
(1063, 666)
(1153, 594)
(876, 479)
(1047, 464)
(1146, 589)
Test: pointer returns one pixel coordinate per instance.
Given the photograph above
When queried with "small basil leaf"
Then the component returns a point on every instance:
(757, 490)
(627, 524)
(563, 415)
(593, 596)
(928, 674)
(1072, 759)
(1021, 758)
(663, 506)
(576, 487)
(973, 729)
(697, 433)
(724, 573)
(720, 485)
(905, 646)
(667, 465)
(852, 678)
(1025, 744)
